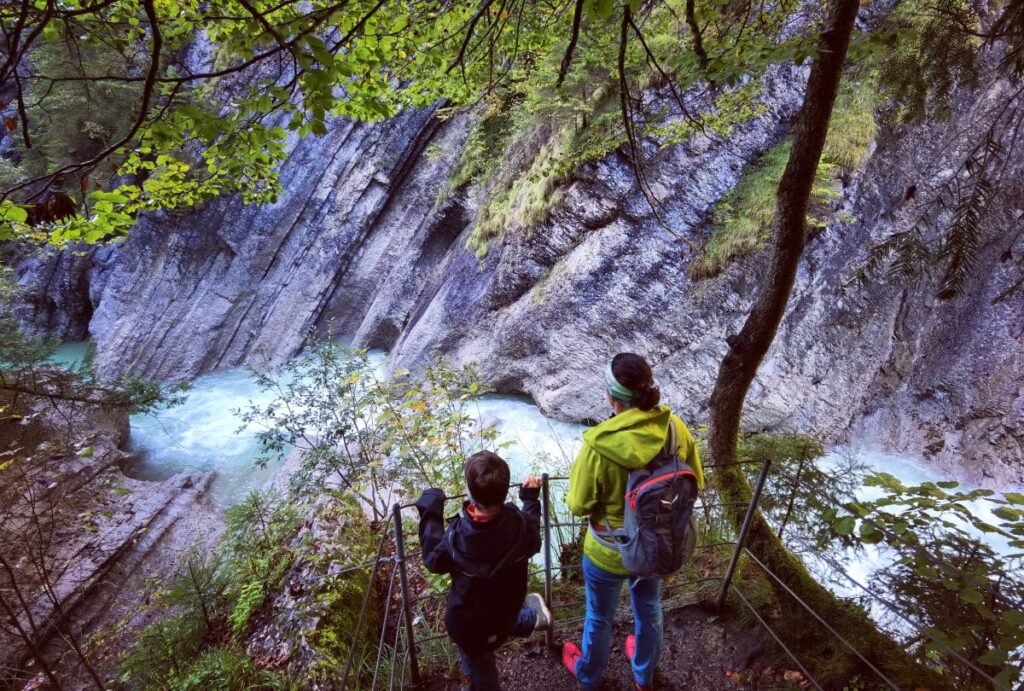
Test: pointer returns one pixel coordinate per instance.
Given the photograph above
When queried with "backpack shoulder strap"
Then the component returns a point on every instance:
(671, 443)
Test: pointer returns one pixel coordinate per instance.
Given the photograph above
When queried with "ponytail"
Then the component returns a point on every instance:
(632, 373)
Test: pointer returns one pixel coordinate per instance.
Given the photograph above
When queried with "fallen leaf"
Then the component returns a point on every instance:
(12, 124)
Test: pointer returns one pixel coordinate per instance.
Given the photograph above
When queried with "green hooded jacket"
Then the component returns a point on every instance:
(597, 481)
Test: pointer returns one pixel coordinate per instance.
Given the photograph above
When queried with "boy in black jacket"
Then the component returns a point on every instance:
(487, 549)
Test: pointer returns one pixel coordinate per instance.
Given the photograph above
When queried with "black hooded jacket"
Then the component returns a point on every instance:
(489, 562)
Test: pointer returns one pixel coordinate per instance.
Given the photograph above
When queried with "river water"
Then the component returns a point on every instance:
(206, 433)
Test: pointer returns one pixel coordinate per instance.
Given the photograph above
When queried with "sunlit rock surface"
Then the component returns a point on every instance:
(361, 245)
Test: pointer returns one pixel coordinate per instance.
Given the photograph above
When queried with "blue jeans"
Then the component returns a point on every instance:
(481, 668)
(603, 590)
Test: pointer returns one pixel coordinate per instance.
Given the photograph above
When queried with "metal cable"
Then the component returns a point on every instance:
(707, 579)
(394, 647)
(778, 640)
(383, 626)
(705, 466)
(824, 623)
(720, 504)
(899, 613)
(560, 567)
(918, 549)
(435, 637)
(362, 609)
(722, 543)
(405, 662)
(464, 496)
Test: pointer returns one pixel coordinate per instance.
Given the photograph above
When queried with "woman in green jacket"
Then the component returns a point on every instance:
(629, 439)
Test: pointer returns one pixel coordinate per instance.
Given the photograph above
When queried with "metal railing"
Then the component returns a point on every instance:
(404, 651)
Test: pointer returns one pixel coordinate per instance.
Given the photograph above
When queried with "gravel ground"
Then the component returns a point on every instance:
(702, 651)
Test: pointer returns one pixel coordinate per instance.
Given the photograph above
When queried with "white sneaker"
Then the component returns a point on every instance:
(535, 602)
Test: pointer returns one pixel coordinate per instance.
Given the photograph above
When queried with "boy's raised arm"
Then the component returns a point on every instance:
(529, 493)
(436, 557)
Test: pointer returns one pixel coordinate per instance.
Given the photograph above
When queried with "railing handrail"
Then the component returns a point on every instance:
(405, 647)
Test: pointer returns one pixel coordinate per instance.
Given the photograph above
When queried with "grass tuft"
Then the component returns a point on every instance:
(743, 218)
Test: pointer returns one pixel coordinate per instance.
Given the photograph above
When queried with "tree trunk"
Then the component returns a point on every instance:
(749, 346)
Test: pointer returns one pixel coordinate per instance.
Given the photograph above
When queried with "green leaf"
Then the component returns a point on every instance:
(1014, 617)
(1006, 513)
(971, 595)
(844, 525)
(13, 212)
(869, 534)
(993, 658)
(1014, 497)
(602, 8)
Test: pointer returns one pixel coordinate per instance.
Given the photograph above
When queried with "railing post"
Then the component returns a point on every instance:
(546, 510)
(414, 667)
(741, 538)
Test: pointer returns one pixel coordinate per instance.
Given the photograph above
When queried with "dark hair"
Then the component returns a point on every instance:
(633, 372)
(487, 478)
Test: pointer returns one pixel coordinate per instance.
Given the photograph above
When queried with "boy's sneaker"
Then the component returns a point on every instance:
(630, 647)
(570, 654)
(631, 653)
(535, 602)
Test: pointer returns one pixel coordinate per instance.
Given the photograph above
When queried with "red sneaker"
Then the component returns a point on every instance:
(630, 647)
(570, 654)
(631, 653)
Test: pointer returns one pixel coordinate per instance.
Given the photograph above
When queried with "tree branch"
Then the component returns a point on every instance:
(156, 49)
(698, 37)
(577, 17)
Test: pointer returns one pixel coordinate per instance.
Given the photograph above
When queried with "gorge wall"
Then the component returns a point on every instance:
(360, 245)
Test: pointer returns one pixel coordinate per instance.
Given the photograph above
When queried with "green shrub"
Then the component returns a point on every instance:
(210, 596)
(258, 544)
(162, 651)
(223, 669)
(853, 128)
(340, 597)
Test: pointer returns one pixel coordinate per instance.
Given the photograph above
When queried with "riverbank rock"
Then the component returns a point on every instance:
(309, 624)
(80, 538)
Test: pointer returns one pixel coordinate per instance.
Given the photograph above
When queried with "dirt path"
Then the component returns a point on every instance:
(702, 652)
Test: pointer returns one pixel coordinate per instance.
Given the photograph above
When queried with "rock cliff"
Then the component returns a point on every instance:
(359, 245)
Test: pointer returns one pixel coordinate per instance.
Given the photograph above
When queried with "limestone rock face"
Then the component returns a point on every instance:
(80, 539)
(359, 245)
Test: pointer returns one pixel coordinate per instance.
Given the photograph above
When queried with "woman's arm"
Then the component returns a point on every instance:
(584, 488)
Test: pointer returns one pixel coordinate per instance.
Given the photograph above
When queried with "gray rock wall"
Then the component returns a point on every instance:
(359, 246)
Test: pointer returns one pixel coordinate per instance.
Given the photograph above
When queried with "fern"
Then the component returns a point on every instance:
(950, 232)
(248, 599)
(223, 669)
(935, 51)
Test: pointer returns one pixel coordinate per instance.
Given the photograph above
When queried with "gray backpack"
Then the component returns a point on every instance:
(658, 535)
